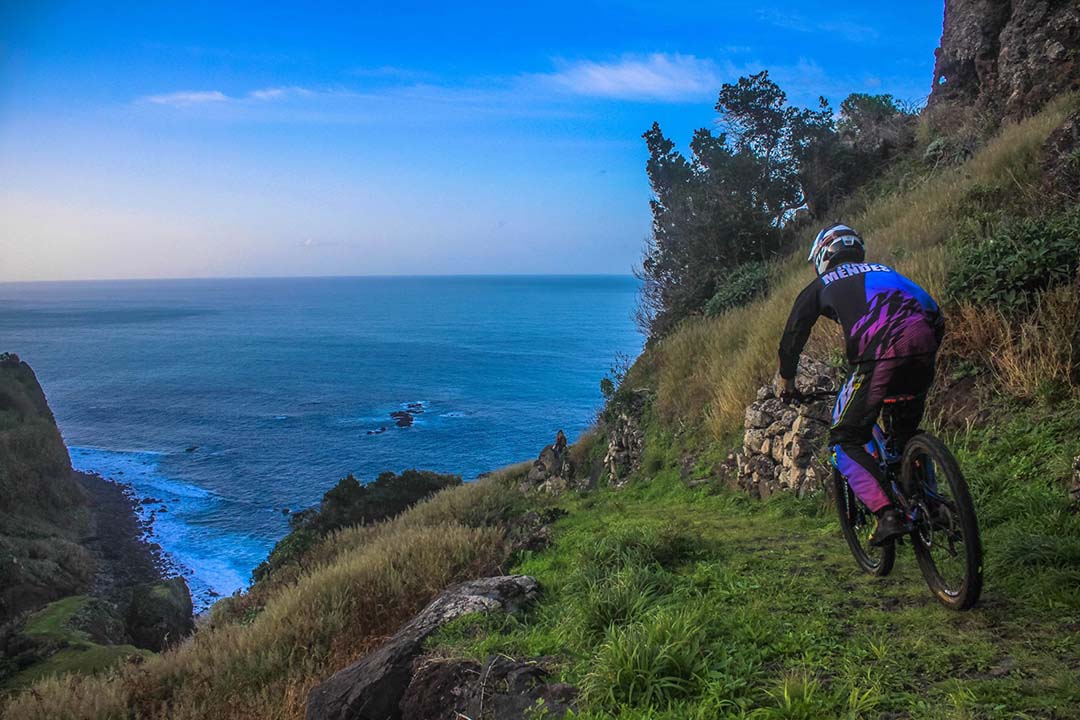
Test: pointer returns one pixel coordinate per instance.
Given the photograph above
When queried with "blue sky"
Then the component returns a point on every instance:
(235, 139)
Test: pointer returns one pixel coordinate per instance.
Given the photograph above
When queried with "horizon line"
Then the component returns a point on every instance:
(374, 276)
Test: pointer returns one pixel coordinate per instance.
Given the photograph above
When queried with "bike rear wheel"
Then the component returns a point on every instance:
(946, 536)
(857, 522)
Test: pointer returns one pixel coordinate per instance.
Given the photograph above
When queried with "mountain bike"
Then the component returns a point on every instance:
(924, 481)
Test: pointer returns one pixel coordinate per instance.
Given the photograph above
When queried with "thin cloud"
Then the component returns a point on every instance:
(658, 77)
(850, 31)
(280, 93)
(187, 98)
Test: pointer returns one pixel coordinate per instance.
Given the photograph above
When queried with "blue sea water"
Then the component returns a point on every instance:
(227, 401)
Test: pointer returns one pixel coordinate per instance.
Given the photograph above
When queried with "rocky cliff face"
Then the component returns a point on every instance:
(1007, 56)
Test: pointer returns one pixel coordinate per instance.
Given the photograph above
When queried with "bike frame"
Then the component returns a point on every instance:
(881, 447)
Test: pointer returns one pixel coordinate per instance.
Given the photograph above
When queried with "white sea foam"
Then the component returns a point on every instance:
(214, 562)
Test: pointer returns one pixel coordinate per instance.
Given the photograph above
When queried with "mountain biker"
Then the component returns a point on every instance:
(892, 330)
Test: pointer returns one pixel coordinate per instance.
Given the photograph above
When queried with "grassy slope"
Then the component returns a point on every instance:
(42, 509)
(710, 367)
(742, 609)
(54, 624)
(257, 657)
(676, 603)
(673, 602)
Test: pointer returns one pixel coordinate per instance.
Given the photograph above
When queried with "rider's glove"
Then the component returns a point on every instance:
(786, 390)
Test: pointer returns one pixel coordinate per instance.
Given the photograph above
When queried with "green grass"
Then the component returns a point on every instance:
(674, 603)
(57, 624)
(53, 620)
(82, 658)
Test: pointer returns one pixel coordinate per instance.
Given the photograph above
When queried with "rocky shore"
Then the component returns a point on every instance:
(118, 543)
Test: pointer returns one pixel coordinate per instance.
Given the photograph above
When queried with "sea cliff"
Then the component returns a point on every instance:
(81, 587)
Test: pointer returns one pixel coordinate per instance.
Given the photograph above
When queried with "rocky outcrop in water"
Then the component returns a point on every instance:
(372, 688)
(1008, 56)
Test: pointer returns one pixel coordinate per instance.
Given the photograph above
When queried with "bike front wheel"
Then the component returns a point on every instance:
(946, 536)
(857, 523)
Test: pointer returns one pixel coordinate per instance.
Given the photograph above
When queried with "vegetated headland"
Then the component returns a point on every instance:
(648, 570)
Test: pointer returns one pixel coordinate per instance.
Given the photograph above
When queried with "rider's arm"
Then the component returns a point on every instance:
(804, 313)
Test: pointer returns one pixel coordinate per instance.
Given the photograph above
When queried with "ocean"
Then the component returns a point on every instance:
(222, 403)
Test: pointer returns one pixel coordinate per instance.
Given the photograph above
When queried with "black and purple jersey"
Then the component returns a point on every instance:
(883, 314)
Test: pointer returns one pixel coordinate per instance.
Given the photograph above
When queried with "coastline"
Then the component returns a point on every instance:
(118, 539)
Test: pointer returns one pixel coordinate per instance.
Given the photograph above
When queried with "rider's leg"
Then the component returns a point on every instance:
(914, 377)
(856, 411)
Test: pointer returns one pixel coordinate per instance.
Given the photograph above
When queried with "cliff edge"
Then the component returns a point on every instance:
(43, 509)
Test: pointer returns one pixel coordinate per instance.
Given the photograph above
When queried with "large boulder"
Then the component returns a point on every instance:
(372, 687)
(500, 689)
(160, 614)
(552, 471)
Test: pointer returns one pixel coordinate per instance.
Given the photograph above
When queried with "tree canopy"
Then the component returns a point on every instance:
(732, 201)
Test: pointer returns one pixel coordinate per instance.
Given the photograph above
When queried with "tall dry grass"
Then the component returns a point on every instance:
(365, 584)
(1029, 359)
(708, 369)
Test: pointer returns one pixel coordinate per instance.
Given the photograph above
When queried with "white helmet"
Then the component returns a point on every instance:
(833, 241)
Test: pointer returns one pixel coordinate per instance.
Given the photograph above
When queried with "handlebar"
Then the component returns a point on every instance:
(797, 397)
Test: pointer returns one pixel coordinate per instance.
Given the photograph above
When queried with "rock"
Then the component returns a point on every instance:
(765, 447)
(1060, 162)
(754, 441)
(501, 689)
(1007, 56)
(552, 472)
(101, 621)
(781, 441)
(626, 439)
(160, 614)
(402, 418)
(372, 687)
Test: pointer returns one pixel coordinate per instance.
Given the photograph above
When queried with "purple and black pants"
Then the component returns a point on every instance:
(859, 404)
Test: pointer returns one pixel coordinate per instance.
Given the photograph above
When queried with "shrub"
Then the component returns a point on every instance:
(1027, 356)
(611, 599)
(648, 663)
(349, 503)
(1006, 264)
(743, 284)
(665, 545)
